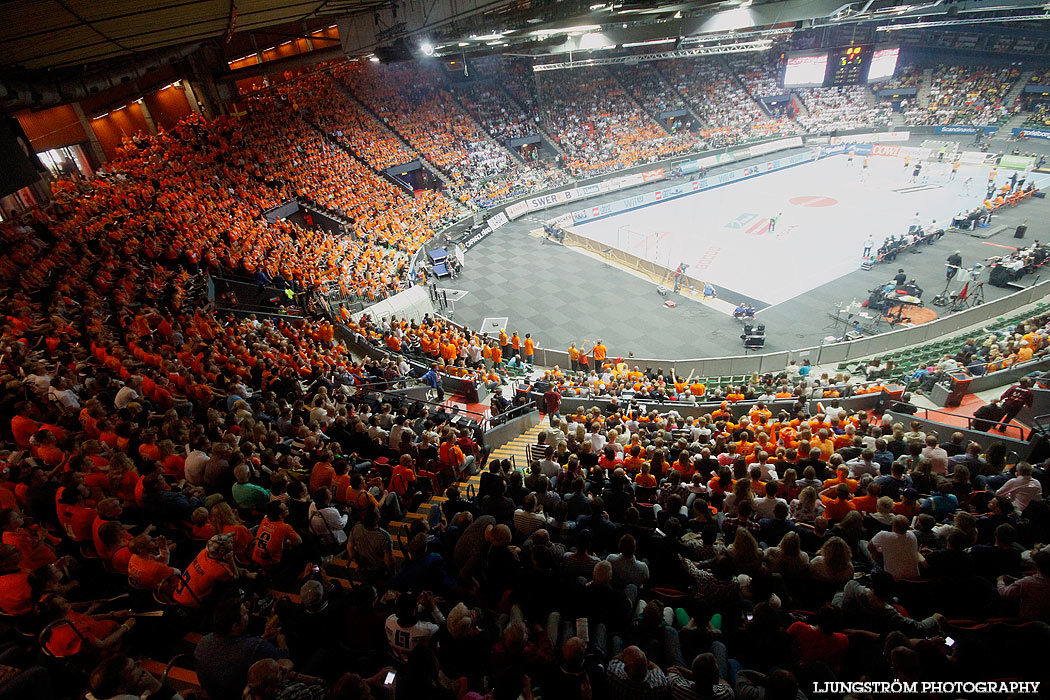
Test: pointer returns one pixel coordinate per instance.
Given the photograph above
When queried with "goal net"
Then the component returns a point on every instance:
(649, 245)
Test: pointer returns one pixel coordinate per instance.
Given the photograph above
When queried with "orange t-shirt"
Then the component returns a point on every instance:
(321, 476)
(33, 553)
(64, 641)
(835, 509)
(23, 428)
(200, 578)
(242, 537)
(145, 572)
(269, 541)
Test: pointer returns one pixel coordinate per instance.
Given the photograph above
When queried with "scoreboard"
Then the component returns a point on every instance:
(843, 65)
(848, 65)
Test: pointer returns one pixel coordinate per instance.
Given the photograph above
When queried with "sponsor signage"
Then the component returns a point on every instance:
(653, 175)
(964, 129)
(497, 221)
(476, 238)
(517, 209)
(1033, 133)
(667, 193)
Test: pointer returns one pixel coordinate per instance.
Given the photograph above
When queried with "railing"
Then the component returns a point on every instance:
(1042, 423)
(1014, 431)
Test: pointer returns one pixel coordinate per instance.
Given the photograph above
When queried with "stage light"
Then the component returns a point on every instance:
(373, 58)
(427, 48)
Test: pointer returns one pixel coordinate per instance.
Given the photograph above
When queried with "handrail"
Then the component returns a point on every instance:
(258, 311)
(969, 422)
(1042, 423)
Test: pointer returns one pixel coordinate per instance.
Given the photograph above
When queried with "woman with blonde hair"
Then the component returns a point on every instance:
(833, 563)
(224, 520)
(788, 559)
(806, 508)
(741, 492)
(744, 552)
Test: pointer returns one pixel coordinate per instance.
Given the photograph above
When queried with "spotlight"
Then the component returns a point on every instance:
(373, 58)
(427, 48)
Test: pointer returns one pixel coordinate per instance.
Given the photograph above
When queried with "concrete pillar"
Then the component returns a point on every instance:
(96, 147)
(147, 116)
(191, 97)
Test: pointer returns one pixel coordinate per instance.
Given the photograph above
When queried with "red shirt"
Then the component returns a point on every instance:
(812, 645)
(23, 429)
(16, 598)
(77, 521)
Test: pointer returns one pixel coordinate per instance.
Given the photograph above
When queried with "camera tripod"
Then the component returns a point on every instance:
(975, 297)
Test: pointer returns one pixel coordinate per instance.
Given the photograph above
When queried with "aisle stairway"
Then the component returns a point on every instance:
(548, 139)
(923, 96)
(390, 131)
(182, 675)
(632, 98)
(803, 110)
(1006, 130)
(343, 570)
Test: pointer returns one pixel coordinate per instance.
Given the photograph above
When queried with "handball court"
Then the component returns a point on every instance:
(562, 295)
(823, 210)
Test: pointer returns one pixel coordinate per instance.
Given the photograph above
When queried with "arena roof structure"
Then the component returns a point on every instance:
(41, 34)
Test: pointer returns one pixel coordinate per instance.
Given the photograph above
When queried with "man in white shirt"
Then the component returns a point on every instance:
(1022, 489)
(406, 629)
(863, 465)
(898, 550)
(63, 395)
(128, 393)
(764, 506)
(597, 442)
(197, 462)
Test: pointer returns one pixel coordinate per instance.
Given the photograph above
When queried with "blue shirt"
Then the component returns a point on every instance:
(884, 458)
(941, 505)
(431, 379)
(223, 662)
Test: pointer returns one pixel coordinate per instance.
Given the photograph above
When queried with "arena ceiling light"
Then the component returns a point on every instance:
(566, 30)
(427, 48)
(651, 42)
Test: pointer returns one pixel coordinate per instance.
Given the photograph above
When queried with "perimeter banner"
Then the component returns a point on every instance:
(681, 189)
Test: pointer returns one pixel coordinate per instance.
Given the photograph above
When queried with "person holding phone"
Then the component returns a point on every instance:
(416, 620)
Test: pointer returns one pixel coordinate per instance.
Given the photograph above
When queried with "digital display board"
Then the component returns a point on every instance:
(847, 65)
(805, 69)
(883, 64)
